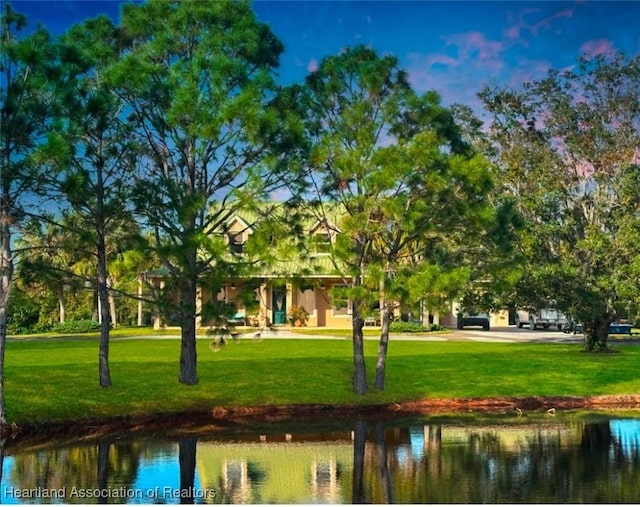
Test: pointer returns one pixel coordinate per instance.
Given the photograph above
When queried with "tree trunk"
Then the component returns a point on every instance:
(359, 368)
(383, 346)
(596, 332)
(103, 297)
(359, 445)
(6, 273)
(103, 471)
(188, 353)
(383, 465)
(3, 340)
(187, 462)
(2, 444)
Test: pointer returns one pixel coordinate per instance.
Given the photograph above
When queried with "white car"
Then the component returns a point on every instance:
(542, 318)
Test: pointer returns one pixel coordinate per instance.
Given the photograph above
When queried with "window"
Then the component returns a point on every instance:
(236, 243)
(321, 242)
(307, 300)
(341, 304)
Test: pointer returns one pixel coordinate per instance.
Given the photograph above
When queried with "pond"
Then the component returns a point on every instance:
(435, 460)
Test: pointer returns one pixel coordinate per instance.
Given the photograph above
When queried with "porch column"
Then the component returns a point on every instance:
(425, 317)
(289, 298)
(198, 307)
(157, 321)
(263, 320)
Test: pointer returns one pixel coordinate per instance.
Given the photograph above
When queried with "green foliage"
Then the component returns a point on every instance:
(23, 312)
(76, 326)
(567, 149)
(407, 327)
(203, 103)
(298, 316)
(400, 326)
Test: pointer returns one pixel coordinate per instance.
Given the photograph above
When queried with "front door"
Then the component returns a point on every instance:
(279, 305)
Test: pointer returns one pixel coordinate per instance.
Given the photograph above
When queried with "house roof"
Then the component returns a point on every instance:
(285, 262)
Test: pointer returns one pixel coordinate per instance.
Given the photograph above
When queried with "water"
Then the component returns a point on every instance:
(429, 461)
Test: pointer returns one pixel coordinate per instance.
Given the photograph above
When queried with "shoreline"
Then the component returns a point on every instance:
(225, 418)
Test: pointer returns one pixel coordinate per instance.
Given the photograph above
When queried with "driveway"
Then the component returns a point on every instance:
(514, 335)
(496, 335)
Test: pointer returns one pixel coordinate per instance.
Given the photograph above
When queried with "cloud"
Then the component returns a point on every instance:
(458, 72)
(312, 66)
(433, 59)
(546, 23)
(476, 46)
(454, 81)
(527, 71)
(521, 24)
(593, 48)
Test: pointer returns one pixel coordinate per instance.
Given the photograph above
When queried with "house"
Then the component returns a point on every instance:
(265, 292)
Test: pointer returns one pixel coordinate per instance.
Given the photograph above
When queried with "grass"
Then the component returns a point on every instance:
(53, 380)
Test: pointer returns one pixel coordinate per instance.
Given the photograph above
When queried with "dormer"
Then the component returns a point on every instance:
(322, 236)
(238, 231)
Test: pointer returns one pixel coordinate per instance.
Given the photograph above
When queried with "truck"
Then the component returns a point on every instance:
(541, 318)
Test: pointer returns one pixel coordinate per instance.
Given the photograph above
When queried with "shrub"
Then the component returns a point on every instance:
(76, 326)
(298, 316)
(407, 327)
(413, 327)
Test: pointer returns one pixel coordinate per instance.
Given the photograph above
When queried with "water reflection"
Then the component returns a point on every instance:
(429, 462)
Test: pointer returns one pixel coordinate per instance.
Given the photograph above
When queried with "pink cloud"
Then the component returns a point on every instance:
(475, 46)
(597, 47)
(312, 66)
(512, 32)
(454, 84)
(433, 59)
(520, 24)
(546, 22)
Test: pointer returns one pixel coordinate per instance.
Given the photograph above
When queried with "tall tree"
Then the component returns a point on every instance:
(91, 153)
(24, 95)
(198, 84)
(568, 148)
(352, 101)
(435, 211)
(396, 165)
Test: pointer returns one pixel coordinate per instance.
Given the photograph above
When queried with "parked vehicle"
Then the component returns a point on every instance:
(614, 328)
(474, 320)
(541, 318)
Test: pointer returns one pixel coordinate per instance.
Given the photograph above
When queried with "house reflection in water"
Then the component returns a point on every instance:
(277, 472)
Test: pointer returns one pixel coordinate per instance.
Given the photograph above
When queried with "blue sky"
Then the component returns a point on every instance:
(450, 46)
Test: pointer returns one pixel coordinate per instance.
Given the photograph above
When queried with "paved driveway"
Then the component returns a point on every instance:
(514, 335)
(495, 335)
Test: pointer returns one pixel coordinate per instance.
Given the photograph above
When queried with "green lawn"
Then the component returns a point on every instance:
(49, 380)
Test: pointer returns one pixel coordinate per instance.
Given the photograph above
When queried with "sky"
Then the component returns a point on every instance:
(453, 47)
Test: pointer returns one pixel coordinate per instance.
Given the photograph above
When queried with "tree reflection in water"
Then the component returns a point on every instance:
(359, 445)
(187, 460)
(571, 462)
